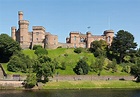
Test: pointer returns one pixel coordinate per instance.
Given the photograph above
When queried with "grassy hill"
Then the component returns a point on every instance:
(71, 58)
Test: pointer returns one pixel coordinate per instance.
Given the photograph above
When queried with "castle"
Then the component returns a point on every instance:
(39, 36)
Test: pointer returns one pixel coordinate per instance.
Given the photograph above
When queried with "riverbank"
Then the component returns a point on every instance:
(91, 84)
(11, 84)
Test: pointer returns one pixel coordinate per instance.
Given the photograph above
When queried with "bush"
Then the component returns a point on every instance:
(41, 51)
(36, 47)
(81, 67)
(63, 65)
(78, 50)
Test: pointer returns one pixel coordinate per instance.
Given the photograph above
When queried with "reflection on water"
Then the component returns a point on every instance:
(72, 93)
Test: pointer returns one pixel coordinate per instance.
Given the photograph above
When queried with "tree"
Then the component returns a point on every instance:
(97, 66)
(19, 63)
(44, 68)
(30, 81)
(81, 67)
(122, 44)
(98, 48)
(7, 47)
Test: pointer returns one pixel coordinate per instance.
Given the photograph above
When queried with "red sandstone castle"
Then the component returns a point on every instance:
(39, 36)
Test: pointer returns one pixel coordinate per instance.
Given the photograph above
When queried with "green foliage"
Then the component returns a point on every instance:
(7, 47)
(97, 66)
(78, 50)
(56, 64)
(44, 59)
(57, 55)
(63, 65)
(30, 81)
(98, 48)
(135, 69)
(41, 51)
(19, 63)
(45, 68)
(122, 44)
(81, 67)
(36, 47)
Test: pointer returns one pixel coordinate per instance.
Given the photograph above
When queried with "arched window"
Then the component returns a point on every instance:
(108, 39)
(75, 38)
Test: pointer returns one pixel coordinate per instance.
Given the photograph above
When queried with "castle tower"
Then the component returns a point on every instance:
(20, 15)
(109, 36)
(23, 31)
(89, 39)
(13, 33)
(51, 41)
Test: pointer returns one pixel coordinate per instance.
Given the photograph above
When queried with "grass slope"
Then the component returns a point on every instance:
(70, 58)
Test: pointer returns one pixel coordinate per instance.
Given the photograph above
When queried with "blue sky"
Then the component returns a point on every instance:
(60, 17)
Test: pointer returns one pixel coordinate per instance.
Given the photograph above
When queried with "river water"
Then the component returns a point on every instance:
(72, 93)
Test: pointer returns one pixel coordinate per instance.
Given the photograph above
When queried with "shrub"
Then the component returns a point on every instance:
(36, 47)
(78, 50)
(65, 54)
(63, 65)
(41, 51)
(81, 67)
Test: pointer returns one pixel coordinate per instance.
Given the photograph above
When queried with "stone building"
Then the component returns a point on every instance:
(38, 36)
(77, 39)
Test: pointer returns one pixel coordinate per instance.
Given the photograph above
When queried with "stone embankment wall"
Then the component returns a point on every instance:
(89, 78)
(10, 84)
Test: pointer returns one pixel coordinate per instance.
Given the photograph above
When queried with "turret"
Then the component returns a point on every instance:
(88, 39)
(13, 32)
(23, 31)
(109, 36)
(20, 15)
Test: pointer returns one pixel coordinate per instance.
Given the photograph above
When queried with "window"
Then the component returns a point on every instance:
(37, 39)
(75, 38)
(37, 33)
(109, 39)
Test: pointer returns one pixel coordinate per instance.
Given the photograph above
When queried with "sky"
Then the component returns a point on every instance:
(60, 17)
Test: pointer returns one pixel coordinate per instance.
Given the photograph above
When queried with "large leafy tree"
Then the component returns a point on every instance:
(7, 47)
(98, 48)
(19, 63)
(44, 68)
(123, 43)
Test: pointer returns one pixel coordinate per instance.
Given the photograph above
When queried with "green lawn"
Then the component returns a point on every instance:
(91, 84)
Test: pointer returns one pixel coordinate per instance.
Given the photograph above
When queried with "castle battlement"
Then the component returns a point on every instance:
(38, 28)
(24, 22)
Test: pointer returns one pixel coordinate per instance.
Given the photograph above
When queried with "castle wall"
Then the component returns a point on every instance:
(51, 41)
(77, 39)
(38, 35)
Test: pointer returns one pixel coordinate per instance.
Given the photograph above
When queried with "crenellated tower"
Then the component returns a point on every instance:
(23, 31)
(13, 32)
(109, 36)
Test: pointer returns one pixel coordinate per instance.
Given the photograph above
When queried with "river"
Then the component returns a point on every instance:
(72, 93)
